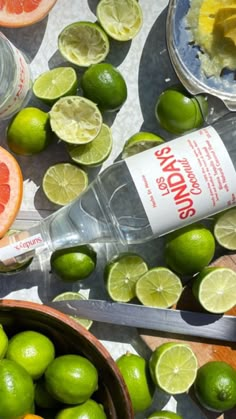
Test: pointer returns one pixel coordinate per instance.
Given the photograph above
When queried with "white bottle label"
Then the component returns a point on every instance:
(19, 247)
(184, 180)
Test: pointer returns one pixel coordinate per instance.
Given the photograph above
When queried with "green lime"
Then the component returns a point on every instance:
(29, 131)
(32, 350)
(3, 342)
(189, 249)
(159, 287)
(42, 397)
(164, 414)
(121, 19)
(178, 112)
(56, 83)
(139, 142)
(17, 266)
(17, 390)
(75, 119)
(225, 229)
(83, 43)
(215, 289)
(88, 410)
(173, 367)
(95, 152)
(71, 379)
(69, 295)
(134, 370)
(64, 182)
(121, 275)
(215, 386)
(104, 85)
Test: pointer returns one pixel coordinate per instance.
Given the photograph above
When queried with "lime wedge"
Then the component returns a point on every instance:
(121, 275)
(225, 229)
(215, 289)
(83, 43)
(75, 120)
(70, 295)
(140, 142)
(159, 287)
(64, 182)
(54, 84)
(121, 19)
(95, 152)
(173, 367)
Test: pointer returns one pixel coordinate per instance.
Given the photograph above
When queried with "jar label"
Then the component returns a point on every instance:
(184, 180)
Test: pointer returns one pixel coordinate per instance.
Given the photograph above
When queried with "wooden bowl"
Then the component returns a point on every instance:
(70, 337)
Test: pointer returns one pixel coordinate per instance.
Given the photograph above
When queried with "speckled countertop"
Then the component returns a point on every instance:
(145, 64)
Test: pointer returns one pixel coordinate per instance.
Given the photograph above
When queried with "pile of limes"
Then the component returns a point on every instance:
(33, 380)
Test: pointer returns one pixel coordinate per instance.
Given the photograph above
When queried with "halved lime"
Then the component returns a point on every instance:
(75, 120)
(215, 289)
(64, 182)
(121, 19)
(121, 275)
(173, 367)
(83, 43)
(56, 83)
(164, 414)
(95, 152)
(70, 295)
(225, 229)
(159, 287)
(139, 142)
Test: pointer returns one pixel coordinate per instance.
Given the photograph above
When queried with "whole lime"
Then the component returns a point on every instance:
(135, 372)
(71, 379)
(3, 342)
(178, 112)
(75, 263)
(89, 410)
(104, 85)
(29, 131)
(17, 390)
(215, 386)
(189, 249)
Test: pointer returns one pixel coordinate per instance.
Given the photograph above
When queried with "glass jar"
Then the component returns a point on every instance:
(15, 80)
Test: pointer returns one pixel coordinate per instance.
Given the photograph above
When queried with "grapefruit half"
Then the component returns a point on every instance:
(18, 13)
(11, 190)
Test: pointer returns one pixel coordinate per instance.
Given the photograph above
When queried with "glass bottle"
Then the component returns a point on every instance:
(145, 196)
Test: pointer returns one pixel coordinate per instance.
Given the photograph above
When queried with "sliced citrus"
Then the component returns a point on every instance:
(95, 152)
(159, 287)
(121, 275)
(225, 229)
(83, 43)
(215, 289)
(19, 13)
(69, 295)
(139, 142)
(121, 19)
(164, 414)
(11, 190)
(173, 367)
(63, 182)
(56, 83)
(75, 119)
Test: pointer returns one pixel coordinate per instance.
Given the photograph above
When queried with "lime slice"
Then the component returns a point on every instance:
(69, 295)
(121, 275)
(121, 19)
(95, 152)
(225, 229)
(64, 182)
(173, 367)
(215, 289)
(140, 142)
(83, 43)
(159, 287)
(53, 84)
(75, 120)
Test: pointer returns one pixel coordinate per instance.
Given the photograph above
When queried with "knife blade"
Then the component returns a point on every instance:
(206, 325)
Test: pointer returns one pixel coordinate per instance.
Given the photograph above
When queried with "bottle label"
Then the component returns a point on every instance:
(184, 180)
(21, 86)
(16, 245)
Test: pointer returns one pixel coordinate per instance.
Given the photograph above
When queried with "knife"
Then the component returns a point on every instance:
(206, 325)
